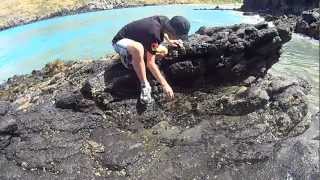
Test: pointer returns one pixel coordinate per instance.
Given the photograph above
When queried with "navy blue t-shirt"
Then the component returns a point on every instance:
(147, 31)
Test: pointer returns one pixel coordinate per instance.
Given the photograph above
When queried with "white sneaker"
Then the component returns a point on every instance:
(145, 96)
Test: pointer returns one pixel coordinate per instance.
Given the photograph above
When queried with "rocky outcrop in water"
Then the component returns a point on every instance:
(229, 120)
(309, 23)
(301, 16)
(225, 54)
(280, 7)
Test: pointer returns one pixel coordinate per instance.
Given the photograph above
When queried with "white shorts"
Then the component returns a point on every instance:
(121, 47)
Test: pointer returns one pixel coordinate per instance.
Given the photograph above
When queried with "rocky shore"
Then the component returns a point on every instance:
(302, 16)
(230, 119)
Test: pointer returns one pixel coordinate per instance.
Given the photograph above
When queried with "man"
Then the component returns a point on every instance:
(145, 36)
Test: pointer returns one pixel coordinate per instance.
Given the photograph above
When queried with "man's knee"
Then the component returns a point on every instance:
(136, 49)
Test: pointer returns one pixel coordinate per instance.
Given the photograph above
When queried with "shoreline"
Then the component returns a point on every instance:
(87, 9)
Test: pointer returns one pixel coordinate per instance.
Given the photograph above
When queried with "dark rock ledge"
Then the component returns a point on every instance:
(308, 23)
(303, 16)
(230, 118)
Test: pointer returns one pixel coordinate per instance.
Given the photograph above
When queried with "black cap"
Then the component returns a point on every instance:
(179, 26)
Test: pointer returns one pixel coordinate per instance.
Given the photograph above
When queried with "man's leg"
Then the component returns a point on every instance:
(136, 50)
(127, 47)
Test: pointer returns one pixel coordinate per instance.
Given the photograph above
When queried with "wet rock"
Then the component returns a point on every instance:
(311, 16)
(249, 13)
(270, 18)
(4, 107)
(75, 101)
(121, 150)
(237, 106)
(93, 85)
(8, 125)
(4, 141)
(309, 23)
(283, 28)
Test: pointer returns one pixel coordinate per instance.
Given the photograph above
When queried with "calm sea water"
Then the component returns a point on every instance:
(88, 36)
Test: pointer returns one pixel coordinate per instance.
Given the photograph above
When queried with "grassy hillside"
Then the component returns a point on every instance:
(30, 9)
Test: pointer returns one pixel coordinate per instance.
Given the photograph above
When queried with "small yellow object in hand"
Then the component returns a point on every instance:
(162, 50)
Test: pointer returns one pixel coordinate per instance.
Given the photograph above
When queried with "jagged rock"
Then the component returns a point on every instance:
(8, 126)
(301, 16)
(4, 107)
(309, 23)
(311, 16)
(283, 27)
(226, 54)
(279, 7)
(121, 149)
(94, 85)
(75, 101)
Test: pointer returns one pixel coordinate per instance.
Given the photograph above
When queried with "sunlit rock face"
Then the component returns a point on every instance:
(230, 119)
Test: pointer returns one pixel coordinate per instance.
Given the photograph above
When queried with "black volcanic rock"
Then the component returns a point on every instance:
(280, 7)
(230, 119)
(303, 16)
(309, 23)
(4, 107)
(226, 54)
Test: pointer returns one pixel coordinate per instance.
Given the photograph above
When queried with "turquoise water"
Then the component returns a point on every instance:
(88, 35)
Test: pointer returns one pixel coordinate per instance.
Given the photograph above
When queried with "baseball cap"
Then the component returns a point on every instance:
(179, 26)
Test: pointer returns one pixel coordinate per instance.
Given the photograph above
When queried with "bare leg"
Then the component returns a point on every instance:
(137, 52)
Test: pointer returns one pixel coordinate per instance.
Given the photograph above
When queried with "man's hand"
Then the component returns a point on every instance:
(176, 43)
(162, 50)
(168, 91)
(154, 69)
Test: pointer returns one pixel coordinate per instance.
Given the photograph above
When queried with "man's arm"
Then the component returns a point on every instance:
(154, 69)
(172, 42)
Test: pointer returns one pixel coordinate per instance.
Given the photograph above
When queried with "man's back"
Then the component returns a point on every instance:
(146, 31)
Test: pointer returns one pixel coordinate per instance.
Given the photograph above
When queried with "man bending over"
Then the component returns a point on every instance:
(145, 36)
